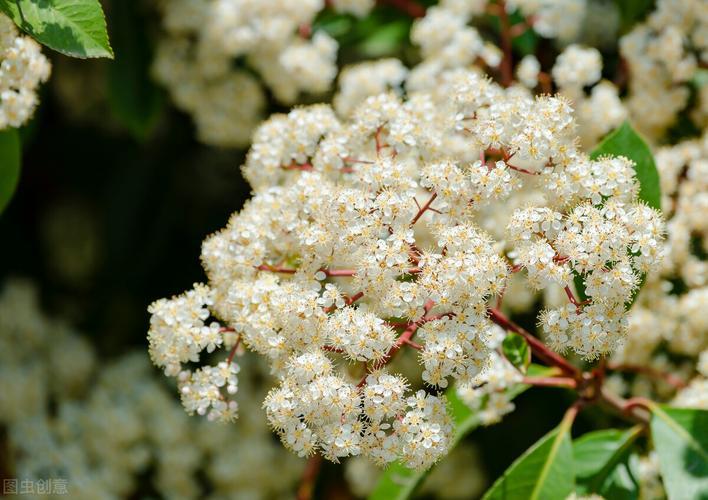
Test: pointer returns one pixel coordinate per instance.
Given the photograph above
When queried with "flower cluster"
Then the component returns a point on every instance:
(110, 428)
(487, 393)
(662, 56)
(668, 332)
(22, 68)
(197, 59)
(177, 335)
(365, 232)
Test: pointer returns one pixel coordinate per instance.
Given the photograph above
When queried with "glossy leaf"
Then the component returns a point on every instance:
(9, 165)
(597, 454)
(680, 437)
(399, 482)
(544, 472)
(75, 28)
(516, 350)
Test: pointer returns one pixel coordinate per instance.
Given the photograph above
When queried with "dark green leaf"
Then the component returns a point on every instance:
(681, 440)
(517, 351)
(133, 98)
(597, 455)
(9, 165)
(543, 472)
(622, 483)
(399, 482)
(633, 11)
(75, 28)
(624, 141)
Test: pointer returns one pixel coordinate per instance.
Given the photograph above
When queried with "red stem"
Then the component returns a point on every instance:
(669, 378)
(233, 351)
(538, 347)
(567, 382)
(309, 478)
(423, 209)
(507, 63)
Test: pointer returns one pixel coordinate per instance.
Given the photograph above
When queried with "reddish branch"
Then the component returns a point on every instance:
(521, 170)
(309, 478)
(669, 378)
(629, 407)
(538, 347)
(233, 351)
(424, 208)
(578, 305)
(410, 7)
(507, 62)
(297, 166)
(567, 382)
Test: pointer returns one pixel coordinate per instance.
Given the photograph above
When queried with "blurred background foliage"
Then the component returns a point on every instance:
(116, 196)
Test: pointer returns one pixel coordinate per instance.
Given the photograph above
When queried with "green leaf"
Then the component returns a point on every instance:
(624, 141)
(543, 472)
(597, 454)
(632, 11)
(399, 482)
(700, 78)
(132, 96)
(386, 40)
(75, 28)
(9, 165)
(681, 440)
(516, 350)
(622, 483)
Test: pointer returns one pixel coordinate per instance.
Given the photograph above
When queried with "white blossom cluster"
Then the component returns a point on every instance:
(211, 50)
(668, 330)
(559, 19)
(575, 69)
(448, 40)
(177, 335)
(22, 68)
(662, 56)
(110, 429)
(487, 393)
(363, 233)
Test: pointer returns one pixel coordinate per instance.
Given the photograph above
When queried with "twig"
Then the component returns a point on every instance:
(423, 209)
(567, 382)
(507, 63)
(669, 378)
(309, 478)
(538, 347)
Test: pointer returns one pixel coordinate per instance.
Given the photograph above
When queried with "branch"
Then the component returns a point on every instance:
(539, 348)
(566, 382)
(623, 406)
(309, 478)
(669, 378)
(423, 209)
(507, 62)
